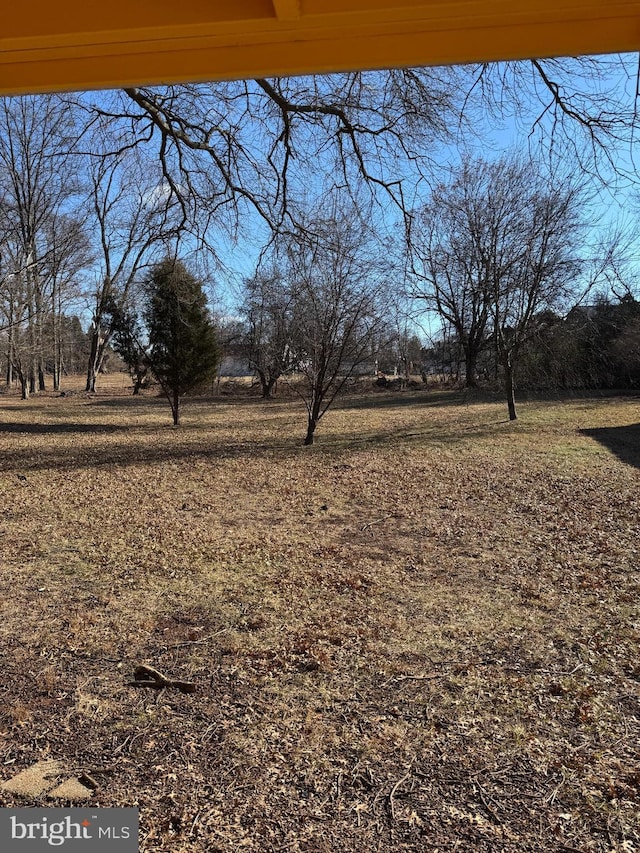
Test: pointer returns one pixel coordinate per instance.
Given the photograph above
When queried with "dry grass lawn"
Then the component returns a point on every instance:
(421, 634)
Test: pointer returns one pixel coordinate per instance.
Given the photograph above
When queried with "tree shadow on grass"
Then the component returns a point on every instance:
(123, 454)
(398, 399)
(623, 441)
(137, 450)
(130, 401)
(200, 402)
(428, 436)
(59, 428)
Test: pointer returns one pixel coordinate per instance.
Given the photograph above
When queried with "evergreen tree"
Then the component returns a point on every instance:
(127, 342)
(183, 351)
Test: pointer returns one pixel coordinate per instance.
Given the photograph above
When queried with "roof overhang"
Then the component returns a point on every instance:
(76, 44)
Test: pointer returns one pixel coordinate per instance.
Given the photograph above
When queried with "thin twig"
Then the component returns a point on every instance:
(393, 791)
(411, 678)
(195, 820)
(550, 800)
(486, 804)
(376, 521)
(575, 669)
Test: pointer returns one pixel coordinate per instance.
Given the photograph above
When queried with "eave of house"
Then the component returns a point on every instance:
(69, 44)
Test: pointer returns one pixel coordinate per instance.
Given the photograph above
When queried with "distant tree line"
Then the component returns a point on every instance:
(596, 346)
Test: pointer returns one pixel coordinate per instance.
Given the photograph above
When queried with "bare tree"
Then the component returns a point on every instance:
(68, 257)
(226, 148)
(268, 310)
(515, 254)
(533, 256)
(448, 267)
(229, 148)
(583, 109)
(337, 287)
(132, 216)
(14, 311)
(39, 188)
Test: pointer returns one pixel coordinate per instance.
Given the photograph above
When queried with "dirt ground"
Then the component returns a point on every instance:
(421, 634)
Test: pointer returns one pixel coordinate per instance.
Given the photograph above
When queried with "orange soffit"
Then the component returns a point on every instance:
(75, 44)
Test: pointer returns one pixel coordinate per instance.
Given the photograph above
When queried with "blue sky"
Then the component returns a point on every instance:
(525, 126)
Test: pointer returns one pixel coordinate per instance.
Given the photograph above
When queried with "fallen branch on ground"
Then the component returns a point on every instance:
(147, 676)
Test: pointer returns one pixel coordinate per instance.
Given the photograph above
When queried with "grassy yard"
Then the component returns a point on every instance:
(421, 634)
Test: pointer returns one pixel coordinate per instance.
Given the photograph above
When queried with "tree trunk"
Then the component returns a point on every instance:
(509, 390)
(91, 364)
(9, 373)
(312, 419)
(471, 369)
(267, 384)
(32, 318)
(56, 320)
(138, 381)
(31, 336)
(57, 372)
(311, 428)
(96, 354)
(268, 388)
(175, 407)
(24, 387)
(38, 321)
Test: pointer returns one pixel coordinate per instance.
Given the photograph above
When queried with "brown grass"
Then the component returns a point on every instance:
(420, 634)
